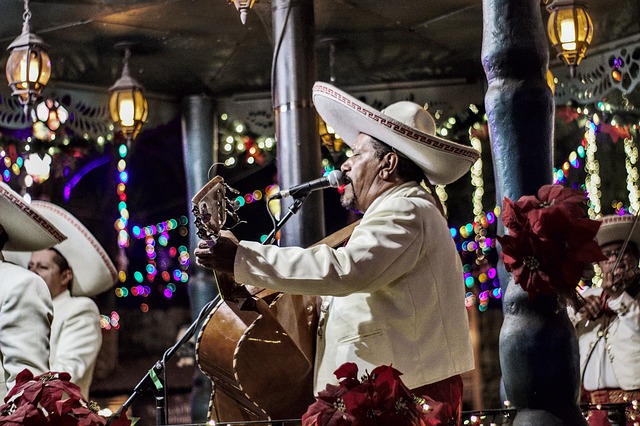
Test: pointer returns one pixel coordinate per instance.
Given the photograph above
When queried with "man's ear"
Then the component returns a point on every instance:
(389, 165)
(67, 277)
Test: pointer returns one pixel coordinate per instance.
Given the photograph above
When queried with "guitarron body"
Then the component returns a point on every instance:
(260, 356)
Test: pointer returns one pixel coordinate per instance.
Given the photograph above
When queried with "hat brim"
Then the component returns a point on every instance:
(616, 228)
(441, 160)
(93, 270)
(26, 229)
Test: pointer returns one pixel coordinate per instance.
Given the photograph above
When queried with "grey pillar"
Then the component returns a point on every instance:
(538, 346)
(198, 140)
(299, 157)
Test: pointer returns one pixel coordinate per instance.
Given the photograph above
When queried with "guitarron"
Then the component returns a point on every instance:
(257, 345)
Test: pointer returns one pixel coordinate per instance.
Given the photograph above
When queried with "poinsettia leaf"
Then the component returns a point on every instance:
(32, 392)
(582, 231)
(526, 203)
(122, 420)
(24, 415)
(50, 397)
(512, 215)
(311, 419)
(331, 393)
(357, 402)
(554, 194)
(348, 370)
(589, 252)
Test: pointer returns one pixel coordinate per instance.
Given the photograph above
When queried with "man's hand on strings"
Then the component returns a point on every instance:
(592, 306)
(614, 284)
(219, 256)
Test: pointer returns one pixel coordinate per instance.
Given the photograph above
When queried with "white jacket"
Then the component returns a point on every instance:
(397, 285)
(75, 338)
(25, 324)
(621, 338)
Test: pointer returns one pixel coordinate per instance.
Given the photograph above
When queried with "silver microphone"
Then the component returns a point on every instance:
(332, 180)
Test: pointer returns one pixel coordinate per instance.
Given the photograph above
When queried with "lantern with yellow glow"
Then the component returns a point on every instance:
(127, 104)
(570, 31)
(329, 138)
(28, 66)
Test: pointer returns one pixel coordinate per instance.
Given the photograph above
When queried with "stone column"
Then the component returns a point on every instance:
(198, 141)
(538, 347)
(299, 158)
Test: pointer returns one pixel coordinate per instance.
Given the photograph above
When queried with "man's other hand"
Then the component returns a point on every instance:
(219, 256)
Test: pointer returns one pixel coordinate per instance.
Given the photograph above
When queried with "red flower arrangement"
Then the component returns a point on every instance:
(51, 399)
(379, 399)
(550, 241)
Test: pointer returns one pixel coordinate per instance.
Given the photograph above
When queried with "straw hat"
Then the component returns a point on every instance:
(93, 271)
(405, 126)
(26, 229)
(617, 228)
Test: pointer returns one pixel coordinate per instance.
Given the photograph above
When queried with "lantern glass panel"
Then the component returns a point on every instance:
(28, 67)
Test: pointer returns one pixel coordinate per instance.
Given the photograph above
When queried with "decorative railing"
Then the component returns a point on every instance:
(599, 74)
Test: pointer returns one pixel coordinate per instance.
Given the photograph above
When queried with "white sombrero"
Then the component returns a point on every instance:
(93, 271)
(617, 228)
(26, 229)
(405, 126)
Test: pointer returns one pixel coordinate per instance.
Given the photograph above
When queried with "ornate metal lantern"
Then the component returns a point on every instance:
(570, 30)
(127, 104)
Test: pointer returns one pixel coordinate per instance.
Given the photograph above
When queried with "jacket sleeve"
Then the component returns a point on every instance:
(628, 310)
(25, 327)
(79, 339)
(386, 243)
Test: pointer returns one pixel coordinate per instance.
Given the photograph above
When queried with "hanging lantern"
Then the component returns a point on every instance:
(243, 6)
(570, 30)
(28, 66)
(127, 104)
(329, 138)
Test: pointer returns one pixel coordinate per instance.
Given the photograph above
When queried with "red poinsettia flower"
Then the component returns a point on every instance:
(379, 398)
(50, 398)
(550, 241)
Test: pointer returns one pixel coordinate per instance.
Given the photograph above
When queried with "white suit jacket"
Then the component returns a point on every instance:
(621, 338)
(75, 338)
(397, 287)
(25, 324)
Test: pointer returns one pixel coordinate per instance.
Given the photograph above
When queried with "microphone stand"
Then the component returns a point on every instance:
(153, 375)
(293, 209)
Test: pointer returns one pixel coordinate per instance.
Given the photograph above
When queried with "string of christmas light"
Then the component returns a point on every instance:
(441, 192)
(592, 167)
(476, 177)
(122, 222)
(631, 154)
(573, 160)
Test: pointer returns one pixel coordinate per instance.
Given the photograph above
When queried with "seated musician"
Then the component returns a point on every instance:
(608, 326)
(394, 294)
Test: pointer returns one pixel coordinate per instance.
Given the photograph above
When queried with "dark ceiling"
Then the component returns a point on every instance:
(184, 47)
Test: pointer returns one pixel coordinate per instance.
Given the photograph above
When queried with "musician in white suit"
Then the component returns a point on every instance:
(395, 291)
(75, 271)
(608, 326)
(25, 304)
